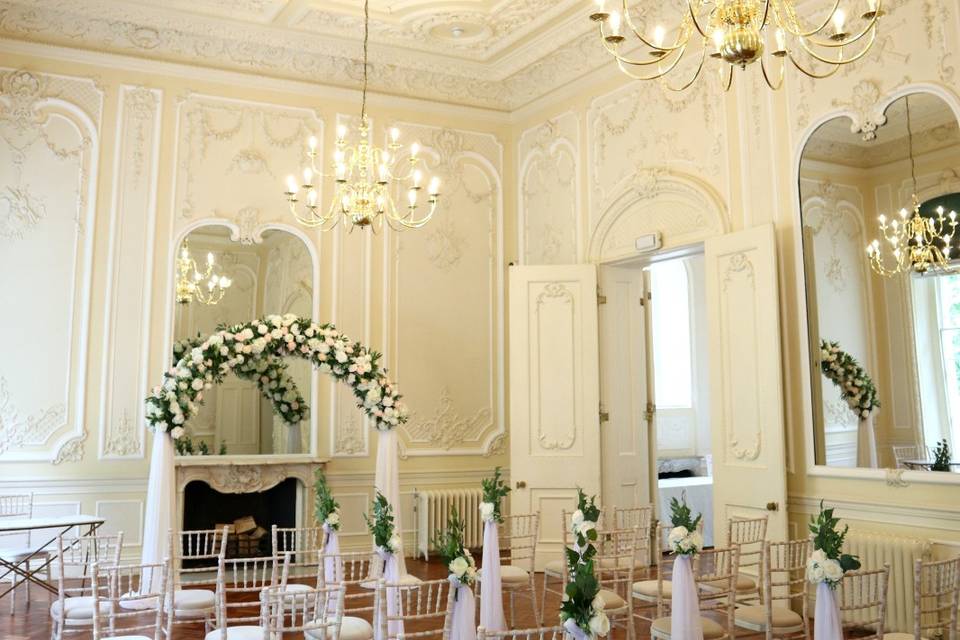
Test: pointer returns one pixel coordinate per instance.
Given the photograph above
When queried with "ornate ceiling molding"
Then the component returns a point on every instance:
(532, 48)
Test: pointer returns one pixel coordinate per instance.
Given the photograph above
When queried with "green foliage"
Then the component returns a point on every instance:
(829, 539)
(185, 446)
(381, 524)
(680, 515)
(580, 593)
(324, 504)
(223, 448)
(587, 512)
(494, 490)
(941, 457)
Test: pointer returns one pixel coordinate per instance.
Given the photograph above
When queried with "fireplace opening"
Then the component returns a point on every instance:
(250, 515)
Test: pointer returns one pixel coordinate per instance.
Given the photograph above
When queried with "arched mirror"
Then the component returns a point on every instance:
(220, 281)
(884, 328)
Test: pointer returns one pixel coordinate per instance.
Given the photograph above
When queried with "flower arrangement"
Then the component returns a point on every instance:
(242, 348)
(684, 538)
(184, 447)
(381, 525)
(856, 387)
(449, 543)
(494, 490)
(941, 457)
(326, 507)
(828, 563)
(582, 608)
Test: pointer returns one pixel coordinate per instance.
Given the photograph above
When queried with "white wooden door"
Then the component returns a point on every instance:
(554, 394)
(749, 464)
(625, 455)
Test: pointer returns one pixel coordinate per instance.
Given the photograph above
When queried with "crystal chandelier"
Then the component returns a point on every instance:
(916, 243)
(737, 32)
(206, 287)
(363, 176)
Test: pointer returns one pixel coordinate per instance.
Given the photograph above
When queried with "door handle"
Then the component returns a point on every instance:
(773, 506)
(521, 484)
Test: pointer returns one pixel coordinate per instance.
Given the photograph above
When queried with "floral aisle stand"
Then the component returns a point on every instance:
(254, 349)
(825, 568)
(582, 608)
(387, 544)
(685, 542)
(462, 575)
(860, 394)
(491, 587)
(327, 513)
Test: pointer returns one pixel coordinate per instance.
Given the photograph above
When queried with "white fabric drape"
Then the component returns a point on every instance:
(867, 443)
(491, 588)
(387, 482)
(161, 500)
(464, 613)
(685, 614)
(826, 615)
(293, 438)
(332, 570)
(391, 575)
(574, 630)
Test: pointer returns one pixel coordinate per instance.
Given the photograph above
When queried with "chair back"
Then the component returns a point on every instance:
(785, 576)
(639, 518)
(129, 600)
(294, 539)
(908, 452)
(537, 633)
(351, 569)
(936, 593)
(74, 557)
(717, 569)
(239, 583)
(425, 608)
(518, 539)
(17, 506)
(863, 601)
(615, 561)
(193, 554)
(748, 534)
(318, 612)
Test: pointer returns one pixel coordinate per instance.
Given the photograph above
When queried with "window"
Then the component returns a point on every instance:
(948, 302)
(673, 374)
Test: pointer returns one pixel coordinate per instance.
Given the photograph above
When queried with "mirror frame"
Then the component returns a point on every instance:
(893, 477)
(170, 315)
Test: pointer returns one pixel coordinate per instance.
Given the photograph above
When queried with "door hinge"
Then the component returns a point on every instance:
(644, 299)
(650, 412)
(601, 299)
(604, 416)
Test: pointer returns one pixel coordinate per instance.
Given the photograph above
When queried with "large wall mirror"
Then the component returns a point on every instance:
(239, 282)
(901, 329)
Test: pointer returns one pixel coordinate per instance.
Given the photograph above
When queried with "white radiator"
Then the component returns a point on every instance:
(875, 550)
(433, 506)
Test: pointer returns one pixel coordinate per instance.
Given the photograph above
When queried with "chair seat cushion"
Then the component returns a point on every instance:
(194, 599)
(78, 608)
(510, 575)
(900, 636)
(20, 553)
(293, 589)
(351, 628)
(662, 627)
(756, 617)
(238, 633)
(554, 568)
(744, 584)
(648, 589)
(624, 563)
(611, 600)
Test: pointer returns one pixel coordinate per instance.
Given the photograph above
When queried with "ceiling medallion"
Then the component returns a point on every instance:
(737, 32)
(364, 177)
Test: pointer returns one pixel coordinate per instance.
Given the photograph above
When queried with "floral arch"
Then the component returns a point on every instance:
(255, 351)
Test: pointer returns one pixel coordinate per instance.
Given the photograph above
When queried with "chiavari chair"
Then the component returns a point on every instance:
(130, 601)
(785, 592)
(863, 602)
(72, 611)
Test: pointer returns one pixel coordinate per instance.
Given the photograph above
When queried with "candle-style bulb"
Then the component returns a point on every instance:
(210, 258)
(659, 33)
(394, 134)
(717, 38)
(291, 184)
(312, 198)
(312, 143)
(434, 186)
(781, 39)
(414, 150)
(341, 131)
(307, 176)
(412, 197)
(417, 177)
(839, 17)
(614, 22)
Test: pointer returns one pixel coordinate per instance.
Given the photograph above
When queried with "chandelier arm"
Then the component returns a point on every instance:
(640, 63)
(659, 74)
(773, 85)
(729, 78)
(693, 17)
(766, 14)
(828, 44)
(703, 57)
(840, 60)
(677, 44)
(789, 9)
(812, 74)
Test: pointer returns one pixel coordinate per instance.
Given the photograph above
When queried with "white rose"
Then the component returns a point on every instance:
(832, 570)
(197, 384)
(177, 433)
(486, 511)
(696, 539)
(576, 518)
(333, 519)
(814, 572)
(598, 603)
(818, 556)
(600, 624)
(586, 527)
(459, 566)
(394, 543)
(677, 534)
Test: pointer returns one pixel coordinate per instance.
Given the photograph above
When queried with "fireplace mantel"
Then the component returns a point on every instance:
(249, 474)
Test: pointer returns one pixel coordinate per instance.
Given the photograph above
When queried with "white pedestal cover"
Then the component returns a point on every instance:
(867, 444)
(464, 613)
(387, 482)
(826, 614)
(161, 500)
(391, 574)
(491, 588)
(685, 612)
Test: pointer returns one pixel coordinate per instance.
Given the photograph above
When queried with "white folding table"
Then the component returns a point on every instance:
(59, 526)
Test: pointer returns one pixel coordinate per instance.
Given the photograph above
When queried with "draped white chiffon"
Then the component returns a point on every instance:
(464, 613)
(491, 587)
(161, 500)
(685, 614)
(574, 630)
(391, 574)
(867, 444)
(826, 614)
(387, 482)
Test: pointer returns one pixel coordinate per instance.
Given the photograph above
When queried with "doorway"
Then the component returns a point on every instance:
(654, 371)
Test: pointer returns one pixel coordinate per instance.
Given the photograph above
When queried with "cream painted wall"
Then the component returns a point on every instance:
(702, 163)
(163, 152)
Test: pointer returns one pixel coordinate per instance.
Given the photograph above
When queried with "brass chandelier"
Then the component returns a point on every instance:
(916, 243)
(206, 287)
(737, 32)
(363, 176)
